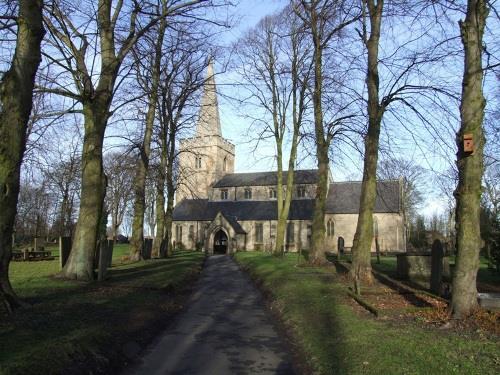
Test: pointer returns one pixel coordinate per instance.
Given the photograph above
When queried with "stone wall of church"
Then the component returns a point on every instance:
(216, 158)
(390, 233)
(259, 193)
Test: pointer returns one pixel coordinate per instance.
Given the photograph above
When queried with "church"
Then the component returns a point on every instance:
(220, 211)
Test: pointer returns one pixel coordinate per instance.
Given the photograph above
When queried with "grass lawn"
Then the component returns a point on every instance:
(335, 337)
(74, 327)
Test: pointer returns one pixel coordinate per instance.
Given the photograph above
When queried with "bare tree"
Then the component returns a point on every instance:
(92, 44)
(182, 77)
(16, 93)
(276, 64)
(148, 74)
(119, 167)
(470, 143)
(323, 20)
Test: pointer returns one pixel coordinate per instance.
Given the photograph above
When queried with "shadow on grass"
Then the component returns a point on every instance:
(311, 311)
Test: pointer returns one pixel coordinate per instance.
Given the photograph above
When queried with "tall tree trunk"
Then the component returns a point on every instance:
(317, 252)
(361, 250)
(160, 202)
(169, 218)
(470, 165)
(137, 240)
(80, 264)
(16, 94)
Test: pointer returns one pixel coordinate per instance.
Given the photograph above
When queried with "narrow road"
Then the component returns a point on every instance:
(224, 330)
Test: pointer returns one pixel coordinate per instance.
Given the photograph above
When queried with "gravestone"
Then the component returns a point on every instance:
(64, 250)
(39, 243)
(436, 279)
(146, 249)
(105, 258)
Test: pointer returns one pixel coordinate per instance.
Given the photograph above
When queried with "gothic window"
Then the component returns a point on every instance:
(197, 162)
(248, 193)
(290, 235)
(223, 194)
(272, 193)
(375, 227)
(330, 228)
(178, 233)
(224, 164)
(273, 230)
(301, 192)
(191, 232)
(259, 233)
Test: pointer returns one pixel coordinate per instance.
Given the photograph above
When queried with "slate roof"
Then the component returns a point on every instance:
(343, 198)
(306, 176)
(204, 210)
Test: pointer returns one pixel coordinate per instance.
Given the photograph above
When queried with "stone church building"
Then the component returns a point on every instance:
(221, 211)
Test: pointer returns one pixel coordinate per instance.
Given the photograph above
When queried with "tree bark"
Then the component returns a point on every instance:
(363, 238)
(80, 264)
(317, 252)
(160, 201)
(137, 239)
(16, 95)
(470, 165)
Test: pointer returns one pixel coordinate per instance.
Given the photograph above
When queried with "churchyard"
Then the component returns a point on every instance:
(333, 333)
(74, 327)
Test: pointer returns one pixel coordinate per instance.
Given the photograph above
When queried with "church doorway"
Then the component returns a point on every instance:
(340, 245)
(220, 242)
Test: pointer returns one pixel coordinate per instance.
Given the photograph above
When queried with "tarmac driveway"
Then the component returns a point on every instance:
(224, 330)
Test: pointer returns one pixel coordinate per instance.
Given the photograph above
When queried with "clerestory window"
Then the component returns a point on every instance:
(223, 194)
(248, 193)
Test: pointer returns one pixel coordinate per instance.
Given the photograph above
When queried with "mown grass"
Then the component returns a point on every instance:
(337, 340)
(75, 327)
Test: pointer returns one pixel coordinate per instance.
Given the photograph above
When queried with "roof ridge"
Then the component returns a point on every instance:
(275, 171)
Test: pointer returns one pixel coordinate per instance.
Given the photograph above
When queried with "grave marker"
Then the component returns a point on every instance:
(436, 280)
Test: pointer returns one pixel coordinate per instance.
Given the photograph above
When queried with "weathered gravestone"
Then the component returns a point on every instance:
(39, 243)
(105, 258)
(146, 249)
(437, 254)
(64, 250)
(417, 266)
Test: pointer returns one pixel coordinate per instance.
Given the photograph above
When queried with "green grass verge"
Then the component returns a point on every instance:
(74, 327)
(336, 340)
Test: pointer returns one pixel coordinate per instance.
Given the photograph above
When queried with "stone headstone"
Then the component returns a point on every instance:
(146, 249)
(39, 243)
(105, 258)
(436, 280)
(64, 250)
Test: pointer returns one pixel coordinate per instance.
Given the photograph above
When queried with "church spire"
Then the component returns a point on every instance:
(209, 122)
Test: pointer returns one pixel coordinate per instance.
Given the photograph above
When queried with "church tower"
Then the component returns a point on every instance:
(207, 157)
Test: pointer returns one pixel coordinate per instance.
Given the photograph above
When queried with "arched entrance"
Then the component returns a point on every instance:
(340, 245)
(220, 242)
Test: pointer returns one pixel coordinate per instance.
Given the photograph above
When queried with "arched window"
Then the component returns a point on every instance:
(375, 227)
(197, 162)
(224, 164)
(330, 228)
(272, 193)
(248, 193)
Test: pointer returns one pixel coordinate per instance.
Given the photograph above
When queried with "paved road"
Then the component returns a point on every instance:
(224, 330)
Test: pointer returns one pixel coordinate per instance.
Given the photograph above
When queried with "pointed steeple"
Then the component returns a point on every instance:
(209, 122)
